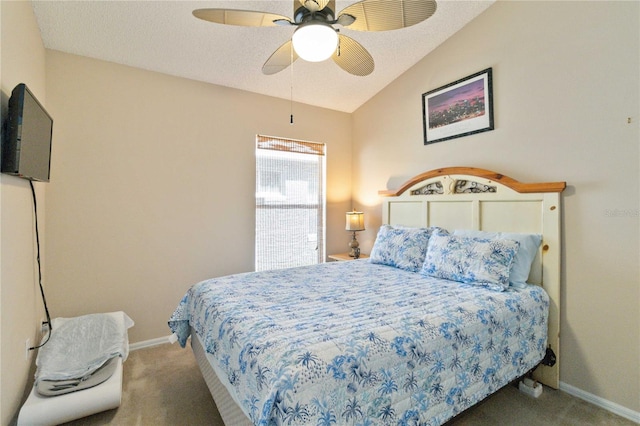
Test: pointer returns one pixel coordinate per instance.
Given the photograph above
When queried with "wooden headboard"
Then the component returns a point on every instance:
(477, 199)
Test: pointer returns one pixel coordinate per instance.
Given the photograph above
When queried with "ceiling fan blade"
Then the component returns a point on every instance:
(312, 5)
(245, 18)
(280, 59)
(331, 4)
(352, 57)
(383, 15)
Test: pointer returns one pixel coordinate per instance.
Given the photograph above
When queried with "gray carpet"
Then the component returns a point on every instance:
(163, 386)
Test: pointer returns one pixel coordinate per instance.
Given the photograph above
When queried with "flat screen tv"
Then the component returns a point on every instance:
(26, 145)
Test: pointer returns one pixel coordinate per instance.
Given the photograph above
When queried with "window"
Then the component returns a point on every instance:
(290, 203)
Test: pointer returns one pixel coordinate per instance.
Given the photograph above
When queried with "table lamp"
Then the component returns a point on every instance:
(355, 222)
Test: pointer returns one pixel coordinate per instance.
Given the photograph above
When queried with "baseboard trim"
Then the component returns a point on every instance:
(618, 409)
(150, 343)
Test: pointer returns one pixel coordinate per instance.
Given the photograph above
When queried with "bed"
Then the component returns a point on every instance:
(415, 334)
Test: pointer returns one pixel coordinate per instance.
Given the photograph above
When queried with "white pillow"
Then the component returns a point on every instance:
(521, 266)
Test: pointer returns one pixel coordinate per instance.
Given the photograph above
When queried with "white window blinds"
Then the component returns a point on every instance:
(290, 203)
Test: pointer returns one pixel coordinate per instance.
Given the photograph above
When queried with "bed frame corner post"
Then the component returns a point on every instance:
(552, 252)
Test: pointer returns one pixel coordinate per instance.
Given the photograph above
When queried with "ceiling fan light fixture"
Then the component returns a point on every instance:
(315, 41)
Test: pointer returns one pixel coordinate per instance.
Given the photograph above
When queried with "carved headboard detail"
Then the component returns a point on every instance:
(450, 185)
(453, 186)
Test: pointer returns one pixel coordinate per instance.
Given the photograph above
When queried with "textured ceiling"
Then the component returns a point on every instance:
(164, 36)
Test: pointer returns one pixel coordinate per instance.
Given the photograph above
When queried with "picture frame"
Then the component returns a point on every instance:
(461, 108)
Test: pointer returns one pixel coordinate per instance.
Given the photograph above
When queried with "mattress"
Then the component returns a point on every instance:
(229, 410)
(346, 342)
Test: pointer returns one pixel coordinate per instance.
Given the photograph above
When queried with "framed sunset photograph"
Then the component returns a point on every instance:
(461, 108)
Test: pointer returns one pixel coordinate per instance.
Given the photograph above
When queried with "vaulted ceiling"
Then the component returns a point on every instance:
(164, 36)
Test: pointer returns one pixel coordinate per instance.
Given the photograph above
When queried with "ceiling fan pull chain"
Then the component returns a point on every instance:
(291, 101)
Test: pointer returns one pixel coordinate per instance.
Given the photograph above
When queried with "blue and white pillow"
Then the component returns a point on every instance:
(477, 261)
(521, 266)
(402, 247)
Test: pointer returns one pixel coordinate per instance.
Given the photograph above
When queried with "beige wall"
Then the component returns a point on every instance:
(153, 176)
(153, 182)
(23, 61)
(566, 78)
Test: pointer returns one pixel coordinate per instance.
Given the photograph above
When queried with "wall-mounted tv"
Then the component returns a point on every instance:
(26, 145)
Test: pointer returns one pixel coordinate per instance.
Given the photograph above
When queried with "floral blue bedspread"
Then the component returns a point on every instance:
(361, 344)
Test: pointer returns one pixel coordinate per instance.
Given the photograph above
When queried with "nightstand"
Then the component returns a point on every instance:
(345, 256)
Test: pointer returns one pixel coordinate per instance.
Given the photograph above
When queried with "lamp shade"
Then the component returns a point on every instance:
(355, 221)
(315, 41)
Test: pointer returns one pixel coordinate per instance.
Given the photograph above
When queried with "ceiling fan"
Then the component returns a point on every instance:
(315, 38)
